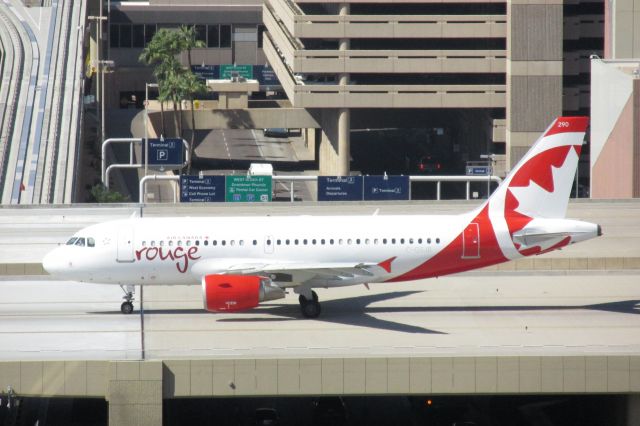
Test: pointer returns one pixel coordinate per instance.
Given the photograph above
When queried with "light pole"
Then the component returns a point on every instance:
(146, 124)
(99, 69)
(490, 160)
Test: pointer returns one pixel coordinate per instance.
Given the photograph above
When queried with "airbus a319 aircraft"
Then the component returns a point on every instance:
(242, 261)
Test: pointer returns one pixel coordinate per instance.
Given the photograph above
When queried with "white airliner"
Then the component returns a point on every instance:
(242, 261)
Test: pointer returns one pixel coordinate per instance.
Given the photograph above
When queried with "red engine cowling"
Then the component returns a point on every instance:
(232, 293)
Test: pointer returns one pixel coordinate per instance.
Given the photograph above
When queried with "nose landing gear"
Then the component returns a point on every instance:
(127, 306)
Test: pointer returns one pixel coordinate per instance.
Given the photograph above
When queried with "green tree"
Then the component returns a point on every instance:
(191, 85)
(101, 194)
(175, 83)
(161, 53)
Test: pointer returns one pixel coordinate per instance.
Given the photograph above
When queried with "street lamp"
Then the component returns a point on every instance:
(104, 67)
(146, 124)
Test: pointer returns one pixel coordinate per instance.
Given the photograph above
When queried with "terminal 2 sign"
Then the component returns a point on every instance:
(363, 188)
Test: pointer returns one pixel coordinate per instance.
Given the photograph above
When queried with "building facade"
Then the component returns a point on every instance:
(501, 71)
(523, 61)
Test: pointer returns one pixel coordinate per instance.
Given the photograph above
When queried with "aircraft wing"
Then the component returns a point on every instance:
(294, 272)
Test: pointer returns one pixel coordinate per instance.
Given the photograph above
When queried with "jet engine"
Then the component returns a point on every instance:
(232, 293)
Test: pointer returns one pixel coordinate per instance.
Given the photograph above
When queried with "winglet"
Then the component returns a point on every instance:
(386, 264)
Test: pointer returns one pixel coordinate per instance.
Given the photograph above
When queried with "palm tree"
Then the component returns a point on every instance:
(192, 85)
(175, 83)
(161, 52)
(170, 72)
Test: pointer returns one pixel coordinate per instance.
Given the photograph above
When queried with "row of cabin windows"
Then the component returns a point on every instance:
(357, 241)
(295, 242)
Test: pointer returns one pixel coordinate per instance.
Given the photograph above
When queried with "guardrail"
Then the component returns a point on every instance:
(297, 178)
(437, 179)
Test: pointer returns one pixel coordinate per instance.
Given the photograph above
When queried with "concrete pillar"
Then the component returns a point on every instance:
(135, 393)
(622, 29)
(334, 149)
(633, 410)
(534, 72)
(335, 145)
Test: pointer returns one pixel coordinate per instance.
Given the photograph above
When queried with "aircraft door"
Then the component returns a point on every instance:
(471, 241)
(125, 244)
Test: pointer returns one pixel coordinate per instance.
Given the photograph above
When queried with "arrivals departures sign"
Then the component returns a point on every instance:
(339, 188)
(359, 188)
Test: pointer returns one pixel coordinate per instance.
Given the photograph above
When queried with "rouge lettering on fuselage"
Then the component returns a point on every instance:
(180, 254)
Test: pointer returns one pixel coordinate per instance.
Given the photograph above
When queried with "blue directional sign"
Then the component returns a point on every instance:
(339, 188)
(205, 189)
(478, 170)
(165, 154)
(386, 188)
(265, 76)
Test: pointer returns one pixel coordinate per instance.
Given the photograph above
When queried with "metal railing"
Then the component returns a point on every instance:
(303, 178)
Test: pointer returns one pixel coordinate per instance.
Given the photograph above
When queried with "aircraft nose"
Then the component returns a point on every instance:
(52, 262)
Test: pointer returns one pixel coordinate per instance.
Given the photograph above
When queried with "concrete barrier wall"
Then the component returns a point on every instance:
(146, 383)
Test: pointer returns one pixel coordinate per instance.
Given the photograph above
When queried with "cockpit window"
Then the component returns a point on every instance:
(80, 242)
(72, 241)
(91, 242)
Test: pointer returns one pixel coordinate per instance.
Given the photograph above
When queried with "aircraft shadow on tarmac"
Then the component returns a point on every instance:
(356, 311)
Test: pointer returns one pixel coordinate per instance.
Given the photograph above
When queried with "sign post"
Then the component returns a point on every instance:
(228, 71)
(386, 188)
(339, 188)
(248, 189)
(165, 154)
(201, 189)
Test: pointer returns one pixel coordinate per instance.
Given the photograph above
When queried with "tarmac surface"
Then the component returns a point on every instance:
(473, 314)
(584, 299)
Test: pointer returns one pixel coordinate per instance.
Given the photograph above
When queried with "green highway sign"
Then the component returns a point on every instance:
(245, 71)
(248, 188)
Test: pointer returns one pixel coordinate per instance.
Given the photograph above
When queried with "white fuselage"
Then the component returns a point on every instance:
(172, 250)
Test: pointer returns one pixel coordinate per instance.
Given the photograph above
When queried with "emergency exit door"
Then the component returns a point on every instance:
(471, 241)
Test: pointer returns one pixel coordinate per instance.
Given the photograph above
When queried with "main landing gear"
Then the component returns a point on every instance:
(127, 306)
(309, 308)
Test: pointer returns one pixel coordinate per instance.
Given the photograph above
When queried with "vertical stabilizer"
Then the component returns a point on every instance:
(539, 185)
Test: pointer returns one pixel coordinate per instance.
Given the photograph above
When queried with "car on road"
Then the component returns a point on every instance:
(429, 165)
(276, 132)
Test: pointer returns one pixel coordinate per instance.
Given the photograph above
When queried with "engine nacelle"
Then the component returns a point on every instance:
(232, 293)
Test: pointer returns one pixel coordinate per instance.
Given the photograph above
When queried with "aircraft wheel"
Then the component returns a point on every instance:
(314, 295)
(310, 309)
(126, 308)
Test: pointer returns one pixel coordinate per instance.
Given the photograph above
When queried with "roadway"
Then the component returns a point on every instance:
(473, 314)
(230, 151)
